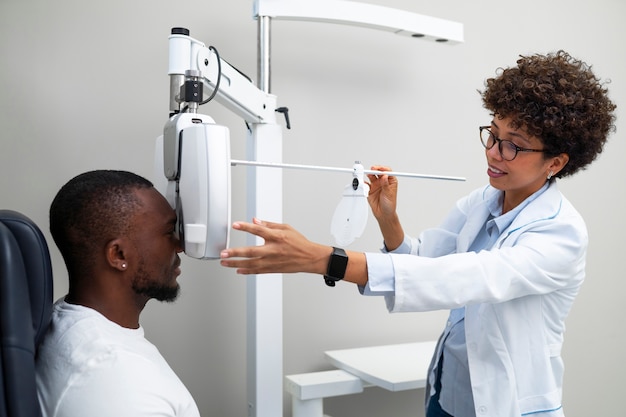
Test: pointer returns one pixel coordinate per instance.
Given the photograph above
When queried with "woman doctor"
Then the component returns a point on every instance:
(508, 260)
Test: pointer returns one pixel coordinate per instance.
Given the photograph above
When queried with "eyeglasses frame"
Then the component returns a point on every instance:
(499, 142)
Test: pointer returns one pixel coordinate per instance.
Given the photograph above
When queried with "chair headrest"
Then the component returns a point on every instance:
(35, 257)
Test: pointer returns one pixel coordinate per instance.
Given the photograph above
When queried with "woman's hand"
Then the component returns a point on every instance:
(383, 193)
(382, 199)
(285, 251)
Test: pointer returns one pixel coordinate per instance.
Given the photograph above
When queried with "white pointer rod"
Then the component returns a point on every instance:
(234, 162)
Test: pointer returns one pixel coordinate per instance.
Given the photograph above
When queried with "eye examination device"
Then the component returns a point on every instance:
(193, 161)
(193, 164)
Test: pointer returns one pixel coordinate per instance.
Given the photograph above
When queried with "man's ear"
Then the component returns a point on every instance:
(116, 254)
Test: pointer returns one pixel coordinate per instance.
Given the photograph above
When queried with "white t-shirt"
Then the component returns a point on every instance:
(90, 366)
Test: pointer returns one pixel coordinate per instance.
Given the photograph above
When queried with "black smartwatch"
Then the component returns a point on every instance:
(337, 265)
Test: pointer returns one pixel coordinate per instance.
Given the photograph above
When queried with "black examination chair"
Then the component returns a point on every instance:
(25, 309)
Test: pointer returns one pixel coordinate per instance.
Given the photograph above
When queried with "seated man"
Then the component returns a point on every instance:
(118, 240)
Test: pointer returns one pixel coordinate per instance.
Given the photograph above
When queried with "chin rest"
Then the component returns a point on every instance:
(25, 310)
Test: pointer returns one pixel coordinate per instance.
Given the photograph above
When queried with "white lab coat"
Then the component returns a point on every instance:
(517, 296)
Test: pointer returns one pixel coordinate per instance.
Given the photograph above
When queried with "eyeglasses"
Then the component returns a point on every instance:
(508, 150)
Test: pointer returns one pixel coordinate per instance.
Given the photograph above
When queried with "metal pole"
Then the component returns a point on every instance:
(264, 292)
(235, 162)
(264, 64)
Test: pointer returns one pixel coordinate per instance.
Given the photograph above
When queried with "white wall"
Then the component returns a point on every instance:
(83, 85)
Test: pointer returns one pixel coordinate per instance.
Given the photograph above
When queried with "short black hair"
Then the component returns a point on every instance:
(89, 211)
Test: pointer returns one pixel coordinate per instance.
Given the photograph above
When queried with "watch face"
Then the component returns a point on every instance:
(337, 264)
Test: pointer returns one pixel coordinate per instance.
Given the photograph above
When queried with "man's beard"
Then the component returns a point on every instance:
(142, 285)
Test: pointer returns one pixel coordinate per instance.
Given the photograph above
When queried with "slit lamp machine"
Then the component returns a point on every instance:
(193, 163)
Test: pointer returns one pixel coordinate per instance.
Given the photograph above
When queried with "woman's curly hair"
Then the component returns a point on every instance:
(558, 99)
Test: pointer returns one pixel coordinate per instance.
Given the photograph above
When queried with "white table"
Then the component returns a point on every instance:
(393, 367)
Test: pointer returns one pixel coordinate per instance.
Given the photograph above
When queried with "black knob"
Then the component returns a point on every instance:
(180, 31)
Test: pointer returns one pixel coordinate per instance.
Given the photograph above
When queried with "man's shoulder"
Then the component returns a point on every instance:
(79, 334)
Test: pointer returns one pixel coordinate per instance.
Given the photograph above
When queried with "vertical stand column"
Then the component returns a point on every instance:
(264, 292)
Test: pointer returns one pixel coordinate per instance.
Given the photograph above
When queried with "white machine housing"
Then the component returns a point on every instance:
(201, 192)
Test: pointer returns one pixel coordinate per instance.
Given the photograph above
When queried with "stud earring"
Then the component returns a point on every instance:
(550, 174)
(124, 265)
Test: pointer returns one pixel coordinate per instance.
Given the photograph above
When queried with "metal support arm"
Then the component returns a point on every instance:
(366, 15)
(236, 91)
